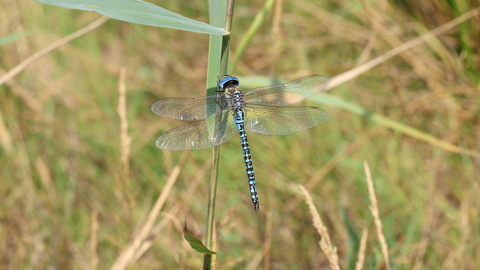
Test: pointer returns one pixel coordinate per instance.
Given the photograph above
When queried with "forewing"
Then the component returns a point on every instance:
(197, 135)
(188, 109)
(283, 120)
(288, 93)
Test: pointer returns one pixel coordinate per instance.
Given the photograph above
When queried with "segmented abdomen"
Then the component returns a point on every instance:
(240, 121)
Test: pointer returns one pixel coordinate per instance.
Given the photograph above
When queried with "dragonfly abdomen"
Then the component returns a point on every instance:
(240, 121)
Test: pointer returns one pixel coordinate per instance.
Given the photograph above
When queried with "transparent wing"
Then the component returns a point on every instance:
(271, 120)
(188, 109)
(197, 135)
(288, 93)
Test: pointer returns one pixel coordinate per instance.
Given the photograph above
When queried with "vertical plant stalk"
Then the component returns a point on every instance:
(126, 140)
(376, 215)
(217, 68)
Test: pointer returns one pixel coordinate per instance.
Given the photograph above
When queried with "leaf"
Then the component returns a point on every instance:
(195, 243)
(7, 39)
(136, 11)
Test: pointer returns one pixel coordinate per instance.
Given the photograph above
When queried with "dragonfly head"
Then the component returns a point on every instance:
(228, 81)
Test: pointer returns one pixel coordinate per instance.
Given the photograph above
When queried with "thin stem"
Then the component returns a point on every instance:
(225, 56)
(228, 18)
(211, 197)
(55, 45)
(217, 68)
(257, 22)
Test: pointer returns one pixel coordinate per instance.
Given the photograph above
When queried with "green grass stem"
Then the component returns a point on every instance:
(221, 14)
(247, 38)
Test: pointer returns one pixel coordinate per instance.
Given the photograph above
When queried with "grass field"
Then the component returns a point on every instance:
(76, 194)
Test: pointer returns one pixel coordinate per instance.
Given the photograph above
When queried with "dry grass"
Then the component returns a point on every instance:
(126, 140)
(84, 187)
(361, 250)
(376, 216)
(325, 242)
(140, 242)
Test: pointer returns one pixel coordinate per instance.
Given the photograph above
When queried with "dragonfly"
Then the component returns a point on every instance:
(219, 117)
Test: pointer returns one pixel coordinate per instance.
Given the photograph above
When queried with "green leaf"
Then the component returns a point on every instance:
(354, 241)
(11, 38)
(195, 243)
(136, 11)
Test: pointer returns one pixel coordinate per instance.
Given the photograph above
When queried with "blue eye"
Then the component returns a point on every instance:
(228, 80)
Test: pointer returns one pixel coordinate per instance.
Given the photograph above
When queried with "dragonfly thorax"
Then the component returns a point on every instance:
(235, 98)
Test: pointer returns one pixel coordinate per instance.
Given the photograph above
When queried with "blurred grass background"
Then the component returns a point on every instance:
(68, 204)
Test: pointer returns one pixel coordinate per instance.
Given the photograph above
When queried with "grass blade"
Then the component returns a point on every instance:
(257, 22)
(329, 100)
(217, 66)
(136, 11)
(27, 62)
(10, 38)
(326, 99)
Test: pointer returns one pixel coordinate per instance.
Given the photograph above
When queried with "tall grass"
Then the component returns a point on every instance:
(69, 203)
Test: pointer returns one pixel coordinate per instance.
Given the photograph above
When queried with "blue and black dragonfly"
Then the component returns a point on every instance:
(231, 111)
